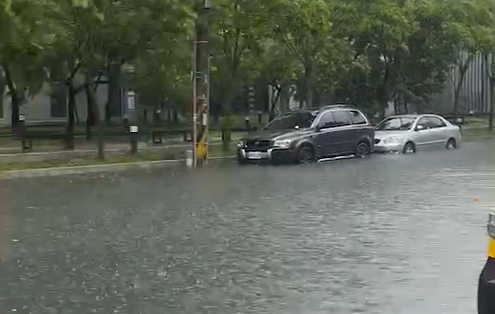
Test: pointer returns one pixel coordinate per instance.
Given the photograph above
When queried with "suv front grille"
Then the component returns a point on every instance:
(258, 144)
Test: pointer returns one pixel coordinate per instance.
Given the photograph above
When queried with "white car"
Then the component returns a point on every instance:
(410, 133)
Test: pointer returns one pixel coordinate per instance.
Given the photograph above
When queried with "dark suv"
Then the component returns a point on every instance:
(308, 135)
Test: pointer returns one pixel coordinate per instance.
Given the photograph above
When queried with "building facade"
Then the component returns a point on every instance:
(49, 105)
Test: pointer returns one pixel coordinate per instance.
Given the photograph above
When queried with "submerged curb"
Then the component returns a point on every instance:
(73, 170)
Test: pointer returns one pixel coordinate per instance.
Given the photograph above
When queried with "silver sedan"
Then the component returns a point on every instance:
(410, 133)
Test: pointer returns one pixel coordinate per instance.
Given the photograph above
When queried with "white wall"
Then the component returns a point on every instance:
(38, 107)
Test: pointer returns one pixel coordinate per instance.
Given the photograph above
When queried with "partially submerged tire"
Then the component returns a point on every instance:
(409, 148)
(451, 144)
(305, 155)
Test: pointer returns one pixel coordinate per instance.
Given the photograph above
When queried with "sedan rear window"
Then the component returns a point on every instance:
(396, 124)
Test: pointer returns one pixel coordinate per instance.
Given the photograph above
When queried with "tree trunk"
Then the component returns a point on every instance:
(406, 109)
(284, 98)
(463, 67)
(69, 140)
(14, 98)
(492, 103)
(76, 115)
(308, 86)
(457, 92)
(90, 116)
(90, 93)
(175, 116)
(113, 86)
(384, 92)
(275, 97)
(226, 125)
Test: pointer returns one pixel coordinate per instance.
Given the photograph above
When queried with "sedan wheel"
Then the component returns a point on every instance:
(451, 144)
(409, 148)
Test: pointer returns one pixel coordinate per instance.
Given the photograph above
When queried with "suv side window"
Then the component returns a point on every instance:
(357, 117)
(341, 118)
(326, 121)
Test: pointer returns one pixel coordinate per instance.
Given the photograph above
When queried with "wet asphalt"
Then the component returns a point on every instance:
(392, 234)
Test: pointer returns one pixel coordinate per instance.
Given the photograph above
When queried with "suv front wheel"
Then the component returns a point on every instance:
(305, 155)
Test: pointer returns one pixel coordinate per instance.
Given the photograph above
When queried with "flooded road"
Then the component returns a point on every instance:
(393, 234)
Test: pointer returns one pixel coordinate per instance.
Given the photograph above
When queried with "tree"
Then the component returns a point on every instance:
(234, 26)
(407, 48)
(382, 32)
(278, 67)
(471, 24)
(163, 75)
(137, 29)
(25, 33)
(77, 50)
(431, 52)
(304, 27)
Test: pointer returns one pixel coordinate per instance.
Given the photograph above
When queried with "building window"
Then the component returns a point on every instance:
(58, 101)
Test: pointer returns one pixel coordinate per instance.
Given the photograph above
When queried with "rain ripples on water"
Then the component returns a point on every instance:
(394, 234)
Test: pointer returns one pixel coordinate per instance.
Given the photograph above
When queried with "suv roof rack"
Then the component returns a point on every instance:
(317, 109)
(335, 105)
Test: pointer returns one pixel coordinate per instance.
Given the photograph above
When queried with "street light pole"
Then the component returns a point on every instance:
(201, 86)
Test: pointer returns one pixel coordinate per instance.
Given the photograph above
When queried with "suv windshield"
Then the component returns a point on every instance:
(396, 124)
(299, 120)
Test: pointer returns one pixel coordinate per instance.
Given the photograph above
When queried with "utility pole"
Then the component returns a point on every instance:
(201, 86)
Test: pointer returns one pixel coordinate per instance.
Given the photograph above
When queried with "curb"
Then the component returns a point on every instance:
(62, 171)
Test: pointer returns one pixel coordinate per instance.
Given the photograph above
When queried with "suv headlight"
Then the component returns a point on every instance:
(240, 144)
(491, 225)
(282, 144)
(392, 139)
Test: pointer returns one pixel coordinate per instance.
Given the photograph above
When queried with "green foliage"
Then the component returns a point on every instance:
(370, 52)
(411, 46)
(25, 33)
(234, 45)
(160, 49)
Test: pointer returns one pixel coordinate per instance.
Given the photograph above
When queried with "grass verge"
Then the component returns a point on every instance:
(477, 133)
(7, 142)
(215, 152)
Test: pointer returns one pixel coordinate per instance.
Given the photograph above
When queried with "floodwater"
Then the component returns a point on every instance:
(393, 234)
